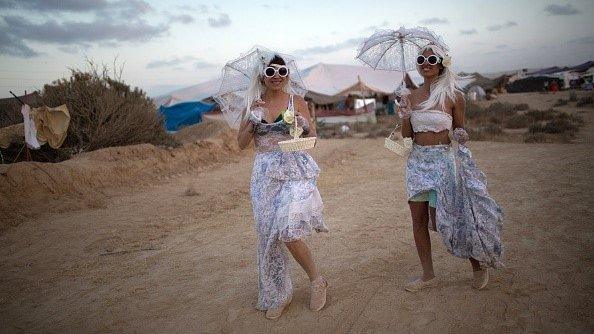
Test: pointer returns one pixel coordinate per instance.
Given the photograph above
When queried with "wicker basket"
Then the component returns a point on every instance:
(297, 144)
(400, 146)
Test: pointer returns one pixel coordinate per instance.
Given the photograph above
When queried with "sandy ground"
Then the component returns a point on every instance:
(153, 259)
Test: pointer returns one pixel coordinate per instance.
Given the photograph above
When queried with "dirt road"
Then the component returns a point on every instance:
(153, 259)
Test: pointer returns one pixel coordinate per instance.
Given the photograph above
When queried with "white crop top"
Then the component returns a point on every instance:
(430, 121)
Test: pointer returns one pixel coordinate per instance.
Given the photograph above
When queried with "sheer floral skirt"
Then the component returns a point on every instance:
(287, 207)
(467, 218)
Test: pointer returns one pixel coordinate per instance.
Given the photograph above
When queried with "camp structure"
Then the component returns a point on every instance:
(336, 93)
(542, 79)
(476, 93)
(183, 114)
(200, 92)
(350, 93)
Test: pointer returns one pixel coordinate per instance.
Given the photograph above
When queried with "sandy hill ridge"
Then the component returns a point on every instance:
(28, 189)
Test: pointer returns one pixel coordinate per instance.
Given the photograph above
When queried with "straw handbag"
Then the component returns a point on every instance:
(400, 146)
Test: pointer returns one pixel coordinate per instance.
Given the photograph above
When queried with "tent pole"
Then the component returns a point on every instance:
(16, 97)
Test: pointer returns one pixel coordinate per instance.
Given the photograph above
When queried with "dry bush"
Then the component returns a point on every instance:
(105, 111)
(560, 103)
(562, 123)
(521, 107)
(487, 132)
(542, 115)
(496, 113)
(10, 113)
(538, 137)
(584, 101)
(573, 97)
(518, 122)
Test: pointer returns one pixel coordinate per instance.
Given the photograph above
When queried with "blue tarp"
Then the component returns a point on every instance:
(182, 114)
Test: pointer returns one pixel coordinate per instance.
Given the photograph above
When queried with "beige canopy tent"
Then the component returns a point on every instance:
(327, 83)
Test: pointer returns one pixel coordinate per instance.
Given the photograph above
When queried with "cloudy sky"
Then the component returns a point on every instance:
(164, 45)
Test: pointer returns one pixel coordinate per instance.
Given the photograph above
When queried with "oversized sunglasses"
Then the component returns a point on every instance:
(270, 71)
(431, 60)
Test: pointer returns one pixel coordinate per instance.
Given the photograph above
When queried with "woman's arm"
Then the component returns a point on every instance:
(407, 131)
(303, 110)
(458, 111)
(245, 134)
(404, 110)
(248, 124)
(459, 134)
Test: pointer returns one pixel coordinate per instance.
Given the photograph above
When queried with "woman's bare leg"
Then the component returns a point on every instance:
(420, 218)
(302, 255)
(475, 264)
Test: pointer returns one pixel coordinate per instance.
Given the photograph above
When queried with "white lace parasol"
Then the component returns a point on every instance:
(238, 75)
(397, 50)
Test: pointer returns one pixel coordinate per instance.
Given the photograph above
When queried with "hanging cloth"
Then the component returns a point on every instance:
(30, 128)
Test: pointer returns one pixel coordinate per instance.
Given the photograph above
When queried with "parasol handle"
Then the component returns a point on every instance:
(403, 85)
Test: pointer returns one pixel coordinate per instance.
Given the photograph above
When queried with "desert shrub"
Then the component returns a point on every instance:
(558, 125)
(503, 109)
(105, 111)
(521, 107)
(541, 115)
(496, 113)
(487, 132)
(560, 102)
(10, 113)
(586, 100)
(573, 97)
(537, 137)
(518, 122)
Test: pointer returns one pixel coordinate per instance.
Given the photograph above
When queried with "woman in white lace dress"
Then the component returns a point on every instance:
(446, 191)
(286, 202)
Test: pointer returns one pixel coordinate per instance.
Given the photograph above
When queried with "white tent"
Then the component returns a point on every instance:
(332, 80)
(325, 80)
(197, 92)
(476, 92)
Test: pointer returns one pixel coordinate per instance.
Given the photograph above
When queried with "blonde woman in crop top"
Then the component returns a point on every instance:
(431, 115)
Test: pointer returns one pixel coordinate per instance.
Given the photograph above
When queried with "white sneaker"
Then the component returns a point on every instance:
(418, 284)
(480, 278)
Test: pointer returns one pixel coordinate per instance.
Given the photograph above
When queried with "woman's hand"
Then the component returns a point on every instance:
(248, 125)
(302, 111)
(461, 136)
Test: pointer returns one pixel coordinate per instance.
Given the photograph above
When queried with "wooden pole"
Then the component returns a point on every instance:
(16, 97)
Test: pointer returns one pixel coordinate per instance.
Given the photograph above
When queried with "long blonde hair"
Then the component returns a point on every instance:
(447, 84)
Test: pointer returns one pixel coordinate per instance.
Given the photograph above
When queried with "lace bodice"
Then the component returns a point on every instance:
(267, 135)
(430, 121)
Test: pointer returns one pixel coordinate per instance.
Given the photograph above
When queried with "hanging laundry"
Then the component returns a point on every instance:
(30, 128)
(52, 124)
